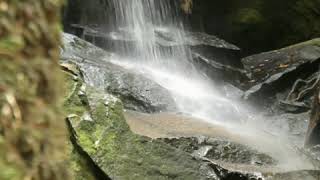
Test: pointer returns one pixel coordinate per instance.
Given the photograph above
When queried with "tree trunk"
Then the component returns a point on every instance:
(32, 130)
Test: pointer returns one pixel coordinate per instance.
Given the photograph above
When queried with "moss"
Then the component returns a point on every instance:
(72, 102)
(87, 142)
(80, 167)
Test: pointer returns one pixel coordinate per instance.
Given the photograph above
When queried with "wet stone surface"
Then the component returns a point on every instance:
(221, 150)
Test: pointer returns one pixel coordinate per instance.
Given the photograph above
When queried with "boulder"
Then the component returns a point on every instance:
(99, 131)
(218, 71)
(136, 91)
(101, 137)
(104, 147)
(270, 66)
(287, 76)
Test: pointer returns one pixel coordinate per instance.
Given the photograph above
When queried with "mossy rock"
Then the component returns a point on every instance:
(99, 129)
(81, 168)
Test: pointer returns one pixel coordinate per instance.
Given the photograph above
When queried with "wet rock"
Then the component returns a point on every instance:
(114, 149)
(218, 71)
(136, 91)
(294, 126)
(115, 152)
(221, 150)
(124, 42)
(225, 174)
(196, 39)
(77, 49)
(311, 153)
(215, 57)
(266, 68)
(166, 37)
(295, 175)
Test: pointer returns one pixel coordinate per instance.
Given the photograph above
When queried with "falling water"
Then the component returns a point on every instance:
(159, 53)
(143, 21)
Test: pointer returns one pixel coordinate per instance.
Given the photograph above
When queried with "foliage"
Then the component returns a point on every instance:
(259, 25)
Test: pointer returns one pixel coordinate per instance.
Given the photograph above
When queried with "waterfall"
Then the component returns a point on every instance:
(152, 42)
(159, 53)
(145, 22)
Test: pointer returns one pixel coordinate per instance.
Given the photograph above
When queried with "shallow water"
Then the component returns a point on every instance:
(171, 125)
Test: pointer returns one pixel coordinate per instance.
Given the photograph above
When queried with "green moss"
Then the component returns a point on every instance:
(73, 104)
(80, 167)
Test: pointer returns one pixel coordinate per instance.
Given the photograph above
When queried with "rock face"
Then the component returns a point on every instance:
(221, 150)
(101, 137)
(268, 67)
(276, 72)
(136, 91)
(214, 56)
(104, 147)
(286, 79)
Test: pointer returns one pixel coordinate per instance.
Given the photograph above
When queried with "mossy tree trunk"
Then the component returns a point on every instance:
(32, 132)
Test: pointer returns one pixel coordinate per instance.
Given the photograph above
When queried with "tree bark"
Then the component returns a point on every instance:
(32, 130)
